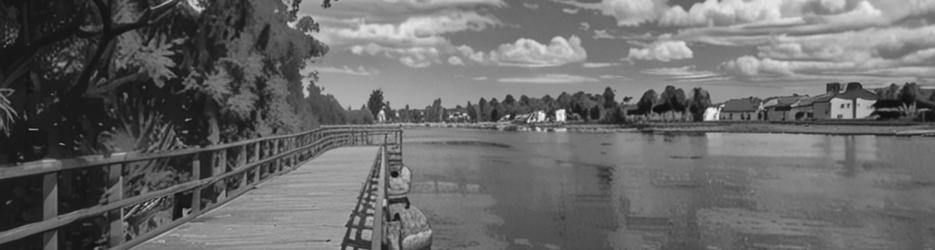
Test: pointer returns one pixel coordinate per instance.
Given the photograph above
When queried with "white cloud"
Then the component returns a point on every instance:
(602, 34)
(416, 57)
(722, 13)
(347, 70)
(684, 73)
(418, 30)
(877, 52)
(632, 12)
(479, 78)
(570, 10)
(531, 6)
(599, 64)
(427, 4)
(454, 60)
(549, 79)
(585, 26)
(530, 53)
(663, 51)
(610, 77)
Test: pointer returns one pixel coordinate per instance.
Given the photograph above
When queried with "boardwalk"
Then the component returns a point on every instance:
(304, 209)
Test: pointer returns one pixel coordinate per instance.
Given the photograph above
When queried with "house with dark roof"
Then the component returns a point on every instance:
(780, 108)
(853, 103)
(744, 109)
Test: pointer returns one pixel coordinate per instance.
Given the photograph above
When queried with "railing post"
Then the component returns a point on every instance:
(256, 170)
(50, 208)
(196, 192)
(242, 161)
(376, 235)
(220, 167)
(115, 180)
(276, 162)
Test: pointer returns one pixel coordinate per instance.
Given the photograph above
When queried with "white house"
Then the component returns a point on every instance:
(713, 113)
(381, 116)
(535, 117)
(854, 103)
(560, 115)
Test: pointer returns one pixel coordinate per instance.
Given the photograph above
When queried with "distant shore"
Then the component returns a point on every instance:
(818, 127)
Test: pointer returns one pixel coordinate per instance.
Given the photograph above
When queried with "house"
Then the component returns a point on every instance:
(745, 109)
(780, 108)
(536, 117)
(854, 103)
(560, 115)
(381, 116)
(713, 113)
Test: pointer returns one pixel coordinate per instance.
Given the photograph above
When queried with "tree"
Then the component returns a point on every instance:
(700, 101)
(646, 103)
(375, 102)
(472, 111)
(609, 101)
(495, 112)
(483, 110)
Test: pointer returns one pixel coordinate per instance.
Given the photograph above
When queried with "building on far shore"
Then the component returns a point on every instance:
(713, 113)
(744, 109)
(853, 103)
(780, 108)
(560, 115)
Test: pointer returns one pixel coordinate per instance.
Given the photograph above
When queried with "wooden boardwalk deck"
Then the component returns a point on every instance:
(304, 209)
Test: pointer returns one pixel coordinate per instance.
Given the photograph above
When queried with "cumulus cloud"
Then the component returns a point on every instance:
(549, 79)
(530, 53)
(663, 51)
(454, 60)
(347, 70)
(722, 13)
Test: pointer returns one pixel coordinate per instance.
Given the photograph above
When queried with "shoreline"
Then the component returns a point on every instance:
(817, 128)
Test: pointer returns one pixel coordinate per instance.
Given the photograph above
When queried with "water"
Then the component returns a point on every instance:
(529, 190)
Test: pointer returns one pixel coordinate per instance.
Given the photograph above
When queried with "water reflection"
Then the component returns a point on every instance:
(645, 191)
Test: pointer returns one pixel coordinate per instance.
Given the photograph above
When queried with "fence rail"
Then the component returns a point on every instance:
(212, 168)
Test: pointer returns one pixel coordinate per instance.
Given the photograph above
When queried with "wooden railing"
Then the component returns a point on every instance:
(214, 170)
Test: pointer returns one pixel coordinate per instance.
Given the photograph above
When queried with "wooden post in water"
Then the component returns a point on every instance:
(50, 208)
(115, 180)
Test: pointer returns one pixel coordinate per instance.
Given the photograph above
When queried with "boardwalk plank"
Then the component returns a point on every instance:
(304, 209)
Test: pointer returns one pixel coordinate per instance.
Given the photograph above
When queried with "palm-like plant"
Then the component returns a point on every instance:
(7, 112)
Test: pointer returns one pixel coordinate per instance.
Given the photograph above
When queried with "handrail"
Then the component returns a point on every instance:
(270, 155)
(376, 239)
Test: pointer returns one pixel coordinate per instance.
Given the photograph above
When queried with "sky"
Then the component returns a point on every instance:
(461, 50)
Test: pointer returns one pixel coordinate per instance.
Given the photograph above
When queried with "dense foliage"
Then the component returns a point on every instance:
(81, 77)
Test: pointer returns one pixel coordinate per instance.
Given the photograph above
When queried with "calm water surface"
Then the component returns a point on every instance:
(532, 190)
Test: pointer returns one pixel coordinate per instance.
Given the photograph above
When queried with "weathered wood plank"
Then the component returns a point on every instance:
(303, 209)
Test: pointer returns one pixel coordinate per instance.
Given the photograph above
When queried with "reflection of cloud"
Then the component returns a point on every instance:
(549, 79)
(570, 10)
(531, 6)
(479, 78)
